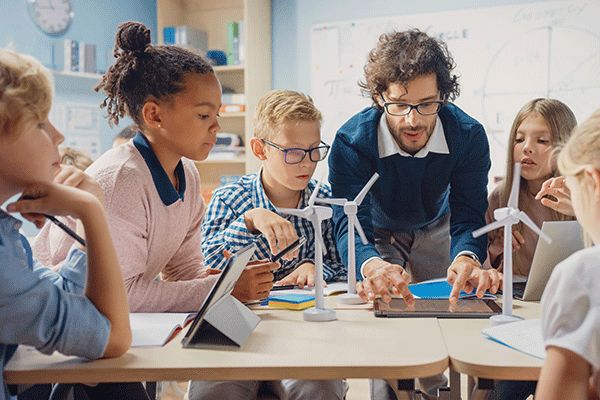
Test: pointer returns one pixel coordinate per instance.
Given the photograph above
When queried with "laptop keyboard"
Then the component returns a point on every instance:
(518, 289)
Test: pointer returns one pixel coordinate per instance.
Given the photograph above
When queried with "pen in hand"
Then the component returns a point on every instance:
(62, 226)
(292, 247)
(65, 228)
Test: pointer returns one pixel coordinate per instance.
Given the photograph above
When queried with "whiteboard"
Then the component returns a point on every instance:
(505, 56)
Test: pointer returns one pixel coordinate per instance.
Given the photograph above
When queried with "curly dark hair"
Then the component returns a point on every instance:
(402, 56)
(144, 71)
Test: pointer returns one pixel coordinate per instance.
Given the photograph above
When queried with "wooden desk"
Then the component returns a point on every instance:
(471, 353)
(357, 345)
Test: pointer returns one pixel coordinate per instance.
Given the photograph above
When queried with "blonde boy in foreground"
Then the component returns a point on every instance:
(81, 309)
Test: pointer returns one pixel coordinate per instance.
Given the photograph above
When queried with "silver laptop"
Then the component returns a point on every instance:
(567, 238)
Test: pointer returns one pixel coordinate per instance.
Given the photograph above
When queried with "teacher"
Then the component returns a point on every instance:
(433, 160)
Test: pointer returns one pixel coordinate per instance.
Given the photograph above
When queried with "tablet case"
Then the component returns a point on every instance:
(223, 320)
(227, 323)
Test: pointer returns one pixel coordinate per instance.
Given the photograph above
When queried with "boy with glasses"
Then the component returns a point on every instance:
(433, 161)
(287, 139)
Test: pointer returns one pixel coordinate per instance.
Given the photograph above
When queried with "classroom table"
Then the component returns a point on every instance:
(283, 345)
(472, 354)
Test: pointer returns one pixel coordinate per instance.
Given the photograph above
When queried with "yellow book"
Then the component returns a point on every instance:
(292, 301)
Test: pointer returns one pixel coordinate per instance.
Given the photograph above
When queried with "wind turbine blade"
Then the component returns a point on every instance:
(527, 221)
(339, 202)
(323, 212)
(359, 229)
(488, 227)
(315, 192)
(361, 195)
(513, 200)
(293, 211)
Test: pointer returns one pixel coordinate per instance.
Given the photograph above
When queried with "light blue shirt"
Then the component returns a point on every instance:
(42, 308)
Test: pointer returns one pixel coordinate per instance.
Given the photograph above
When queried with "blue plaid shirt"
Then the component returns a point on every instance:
(224, 227)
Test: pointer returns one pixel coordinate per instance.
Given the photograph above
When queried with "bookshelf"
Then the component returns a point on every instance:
(81, 75)
(252, 79)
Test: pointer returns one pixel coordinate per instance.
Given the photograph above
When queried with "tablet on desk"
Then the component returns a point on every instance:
(202, 332)
(436, 308)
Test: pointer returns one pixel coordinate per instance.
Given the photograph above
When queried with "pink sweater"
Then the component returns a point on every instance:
(151, 238)
(51, 245)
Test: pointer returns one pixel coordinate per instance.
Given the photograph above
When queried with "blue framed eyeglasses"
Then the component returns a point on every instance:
(400, 109)
(295, 156)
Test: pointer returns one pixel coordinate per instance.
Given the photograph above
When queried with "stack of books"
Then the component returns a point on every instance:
(233, 102)
(292, 301)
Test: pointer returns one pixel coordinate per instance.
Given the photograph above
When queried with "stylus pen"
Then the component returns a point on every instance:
(65, 228)
(284, 287)
(293, 247)
(262, 302)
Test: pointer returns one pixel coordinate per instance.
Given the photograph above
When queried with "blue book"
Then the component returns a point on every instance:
(169, 35)
(292, 301)
(441, 289)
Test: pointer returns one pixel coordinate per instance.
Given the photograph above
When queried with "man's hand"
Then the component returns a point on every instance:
(301, 276)
(557, 188)
(279, 232)
(256, 281)
(466, 274)
(380, 277)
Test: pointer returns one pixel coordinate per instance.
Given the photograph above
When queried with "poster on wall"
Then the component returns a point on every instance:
(80, 124)
(505, 56)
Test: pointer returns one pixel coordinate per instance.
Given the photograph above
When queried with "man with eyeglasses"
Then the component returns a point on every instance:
(433, 161)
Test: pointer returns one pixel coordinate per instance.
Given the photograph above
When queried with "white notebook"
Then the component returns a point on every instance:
(156, 329)
(524, 336)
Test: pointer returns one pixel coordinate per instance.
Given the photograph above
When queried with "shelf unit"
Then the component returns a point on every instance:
(82, 75)
(253, 79)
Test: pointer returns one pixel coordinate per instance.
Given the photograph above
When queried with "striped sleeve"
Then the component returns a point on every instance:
(224, 226)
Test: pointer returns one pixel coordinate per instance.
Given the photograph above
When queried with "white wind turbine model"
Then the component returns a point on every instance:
(316, 214)
(506, 217)
(350, 209)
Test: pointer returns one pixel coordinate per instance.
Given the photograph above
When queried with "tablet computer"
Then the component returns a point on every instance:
(222, 288)
(436, 308)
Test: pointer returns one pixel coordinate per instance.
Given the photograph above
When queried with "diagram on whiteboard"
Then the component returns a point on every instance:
(505, 56)
(566, 65)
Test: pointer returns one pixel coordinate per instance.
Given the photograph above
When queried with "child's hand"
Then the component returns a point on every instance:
(496, 245)
(74, 177)
(53, 199)
(557, 188)
(279, 232)
(256, 281)
(301, 276)
(517, 240)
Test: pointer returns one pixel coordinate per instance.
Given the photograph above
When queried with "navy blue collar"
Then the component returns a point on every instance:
(163, 184)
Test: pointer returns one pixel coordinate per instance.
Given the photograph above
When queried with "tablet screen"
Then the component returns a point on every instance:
(436, 308)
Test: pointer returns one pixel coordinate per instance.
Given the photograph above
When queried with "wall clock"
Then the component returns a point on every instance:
(53, 17)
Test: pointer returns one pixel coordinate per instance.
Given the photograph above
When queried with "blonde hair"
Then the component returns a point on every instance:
(580, 151)
(279, 106)
(560, 120)
(70, 156)
(26, 89)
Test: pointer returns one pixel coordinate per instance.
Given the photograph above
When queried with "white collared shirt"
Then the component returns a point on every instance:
(388, 146)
